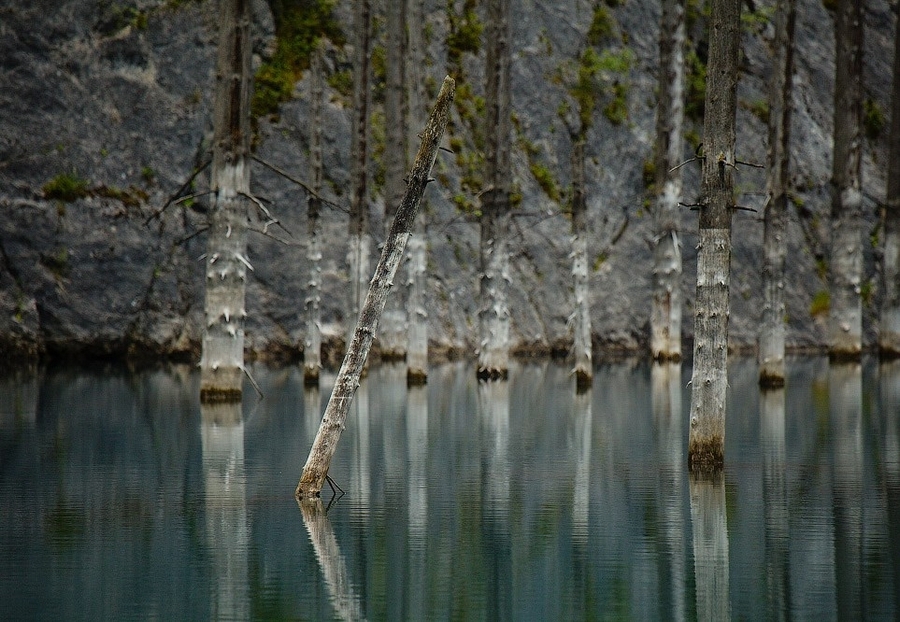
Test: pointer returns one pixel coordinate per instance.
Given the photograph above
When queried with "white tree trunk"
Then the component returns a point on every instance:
(222, 360)
(325, 443)
(772, 329)
(710, 535)
(312, 348)
(581, 342)
(845, 319)
(889, 329)
(706, 442)
(666, 304)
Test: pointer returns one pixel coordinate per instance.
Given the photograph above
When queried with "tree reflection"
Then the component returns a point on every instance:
(889, 382)
(227, 532)
(710, 531)
(777, 560)
(417, 501)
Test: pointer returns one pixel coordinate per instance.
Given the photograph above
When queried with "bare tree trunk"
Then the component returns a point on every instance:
(222, 361)
(889, 330)
(665, 312)
(709, 383)
(312, 350)
(771, 334)
(709, 526)
(392, 336)
(416, 311)
(845, 321)
(584, 371)
(775, 502)
(325, 444)
(360, 242)
(493, 347)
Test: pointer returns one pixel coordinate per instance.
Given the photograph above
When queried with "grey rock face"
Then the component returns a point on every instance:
(122, 104)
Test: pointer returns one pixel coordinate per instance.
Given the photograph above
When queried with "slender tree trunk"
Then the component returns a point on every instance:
(665, 312)
(889, 333)
(222, 361)
(392, 336)
(584, 371)
(771, 333)
(845, 321)
(493, 347)
(416, 310)
(360, 242)
(775, 503)
(709, 383)
(325, 444)
(312, 350)
(709, 527)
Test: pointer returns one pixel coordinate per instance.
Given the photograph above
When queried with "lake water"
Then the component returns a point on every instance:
(122, 499)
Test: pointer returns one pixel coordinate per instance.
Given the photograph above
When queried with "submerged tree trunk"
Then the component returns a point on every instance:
(889, 330)
(584, 371)
(771, 333)
(325, 444)
(312, 349)
(709, 527)
(392, 336)
(416, 311)
(665, 312)
(493, 313)
(360, 242)
(222, 361)
(709, 383)
(845, 321)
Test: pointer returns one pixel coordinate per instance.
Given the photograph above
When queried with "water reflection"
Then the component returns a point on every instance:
(120, 498)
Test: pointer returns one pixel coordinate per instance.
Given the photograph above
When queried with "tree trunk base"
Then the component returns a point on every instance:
(706, 456)
(392, 356)
(416, 377)
(310, 377)
(888, 353)
(667, 357)
(583, 381)
(219, 395)
(485, 374)
(770, 379)
(841, 355)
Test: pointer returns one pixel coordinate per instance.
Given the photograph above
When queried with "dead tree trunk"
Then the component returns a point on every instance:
(584, 371)
(360, 242)
(771, 333)
(392, 336)
(222, 361)
(706, 443)
(312, 349)
(416, 310)
(845, 319)
(493, 313)
(889, 330)
(325, 444)
(665, 312)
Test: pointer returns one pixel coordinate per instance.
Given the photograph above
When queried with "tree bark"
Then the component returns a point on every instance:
(416, 310)
(493, 347)
(584, 371)
(312, 349)
(709, 383)
(360, 242)
(665, 312)
(325, 444)
(889, 330)
(222, 360)
(845, 320)
(392, 336)
(772, 329)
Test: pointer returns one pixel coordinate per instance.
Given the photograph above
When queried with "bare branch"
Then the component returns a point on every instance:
(177, 194)
(269, 235)
(749, 164)
(694, 159)
(264, 210)
(302, 184)
(746, 209)
(193, 235)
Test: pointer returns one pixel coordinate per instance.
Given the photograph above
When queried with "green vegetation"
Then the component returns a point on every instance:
(298, 28)
(873, 119)
(695, 77)
(58, 262)
(131, 196)
(599, 261)
(591, 80)
(648, 174)
(602, 26)
(465, 31)
(821, 303)
(545, 180)
(66, 187)
(866, 292)
(754, 21)
(148, 175)
(759, 108)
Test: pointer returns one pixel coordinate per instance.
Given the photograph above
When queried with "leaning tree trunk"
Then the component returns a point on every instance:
(222, 361)
(392, 336)
(493, 313)
(665, 311)
(360, 243)
(312, 350)
(845, 321)
(771, 333)
(581, 343)
(416, 311)
(325, 443)
(889, 330)
(706, 443)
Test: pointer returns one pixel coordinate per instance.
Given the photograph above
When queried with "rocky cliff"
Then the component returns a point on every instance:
(105, 113)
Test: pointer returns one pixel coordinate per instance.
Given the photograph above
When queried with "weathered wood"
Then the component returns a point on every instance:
(845, 317)
(772, 329)
(581, 343)
(889, 324)
(709, 383)
(666, 301)
(325, 443)
(222, 360)
(312, 347)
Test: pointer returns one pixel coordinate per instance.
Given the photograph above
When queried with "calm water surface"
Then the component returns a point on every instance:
(122, 499)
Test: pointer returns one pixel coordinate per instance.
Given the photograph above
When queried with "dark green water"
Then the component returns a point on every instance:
(122, 499)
